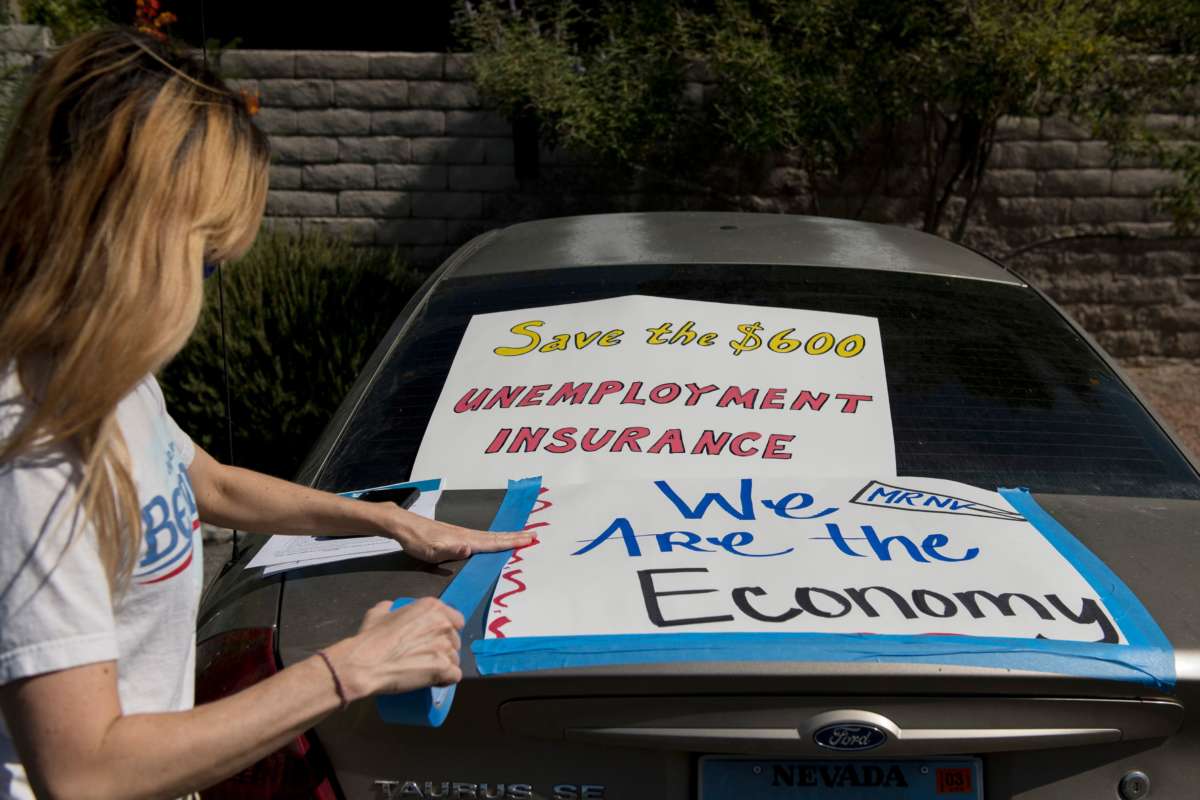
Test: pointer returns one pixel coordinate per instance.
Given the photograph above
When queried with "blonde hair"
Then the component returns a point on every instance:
(128, 166)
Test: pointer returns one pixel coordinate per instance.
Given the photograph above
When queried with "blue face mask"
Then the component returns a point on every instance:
(209, 268)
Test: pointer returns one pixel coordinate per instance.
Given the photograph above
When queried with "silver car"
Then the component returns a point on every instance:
(989, 384)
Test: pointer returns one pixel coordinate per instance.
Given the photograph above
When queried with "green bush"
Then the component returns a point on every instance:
(301, 314)
(830, 83)
(66, 19)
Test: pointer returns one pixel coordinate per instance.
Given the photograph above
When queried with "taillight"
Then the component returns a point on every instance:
(229, 662)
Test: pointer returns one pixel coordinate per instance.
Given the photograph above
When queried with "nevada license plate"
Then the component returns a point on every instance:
(766, 779)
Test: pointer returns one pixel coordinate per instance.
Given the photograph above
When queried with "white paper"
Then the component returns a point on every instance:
(769, 560)
(706, 398)
(282, 553)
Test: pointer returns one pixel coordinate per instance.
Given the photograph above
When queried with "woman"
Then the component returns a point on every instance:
(128, 168)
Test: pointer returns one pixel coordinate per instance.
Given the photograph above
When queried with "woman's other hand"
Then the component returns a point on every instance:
(397, 651)
(433, 541)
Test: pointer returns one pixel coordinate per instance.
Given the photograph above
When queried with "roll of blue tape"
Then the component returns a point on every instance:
(470, 587)
(424, 707)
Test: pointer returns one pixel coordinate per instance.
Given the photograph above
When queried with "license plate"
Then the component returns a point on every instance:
(767, 779)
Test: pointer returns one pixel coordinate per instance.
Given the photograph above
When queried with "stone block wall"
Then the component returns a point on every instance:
(1109, 257)
(20, 48)
(390, 149)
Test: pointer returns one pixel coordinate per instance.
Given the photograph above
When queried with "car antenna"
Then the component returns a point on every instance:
(221, 314)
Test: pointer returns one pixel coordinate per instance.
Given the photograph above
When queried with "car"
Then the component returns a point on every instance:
(988, 384)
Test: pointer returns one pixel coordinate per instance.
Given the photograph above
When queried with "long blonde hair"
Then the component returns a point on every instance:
(128, 166)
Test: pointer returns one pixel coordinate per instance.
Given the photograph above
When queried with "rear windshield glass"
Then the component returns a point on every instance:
(988, 385)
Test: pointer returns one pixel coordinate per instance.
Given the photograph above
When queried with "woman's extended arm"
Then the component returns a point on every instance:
(233, 497)
(75, 743)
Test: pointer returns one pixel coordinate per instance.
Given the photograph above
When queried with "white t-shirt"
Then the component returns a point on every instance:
(55, 608)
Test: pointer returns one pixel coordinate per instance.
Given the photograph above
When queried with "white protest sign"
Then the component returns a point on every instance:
(904, 556)
(645, 386)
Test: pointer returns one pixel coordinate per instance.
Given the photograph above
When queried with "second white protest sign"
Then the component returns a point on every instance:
(907, 556)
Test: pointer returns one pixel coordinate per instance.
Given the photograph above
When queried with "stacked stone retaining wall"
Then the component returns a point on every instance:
(381, 148)
(20, 48)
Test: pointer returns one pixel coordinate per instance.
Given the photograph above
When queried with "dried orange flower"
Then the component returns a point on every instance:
(150, 21)
(151, 31)
(252, 102)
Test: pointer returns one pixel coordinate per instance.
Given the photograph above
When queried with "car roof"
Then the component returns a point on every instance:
(698, 237)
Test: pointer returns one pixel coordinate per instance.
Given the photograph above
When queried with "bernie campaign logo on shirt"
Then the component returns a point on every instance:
(170, 527)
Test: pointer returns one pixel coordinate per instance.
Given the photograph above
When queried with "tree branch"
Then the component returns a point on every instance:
(1120, 236)
(956, 129)
(983, 154)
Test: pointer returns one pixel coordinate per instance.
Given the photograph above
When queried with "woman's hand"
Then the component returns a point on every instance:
(433, 541)
(75, 740)
(397, 651)
(232, 497)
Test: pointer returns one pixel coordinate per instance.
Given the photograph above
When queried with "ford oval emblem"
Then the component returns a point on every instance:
(850, 736)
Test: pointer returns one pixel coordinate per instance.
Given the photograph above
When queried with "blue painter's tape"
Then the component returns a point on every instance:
(500, 656)
(1147, 659)
(423, 708)
(471, 586)
(474, 582)
(1145, 638)
(429, 485)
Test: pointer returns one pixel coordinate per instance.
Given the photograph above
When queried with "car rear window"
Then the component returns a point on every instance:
(988, 384)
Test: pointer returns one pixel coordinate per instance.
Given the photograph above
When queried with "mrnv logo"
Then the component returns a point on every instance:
(849, 736)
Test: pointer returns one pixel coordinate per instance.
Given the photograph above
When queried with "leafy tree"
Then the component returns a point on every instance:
(832, 81)
(608, 80)
(1167, 32)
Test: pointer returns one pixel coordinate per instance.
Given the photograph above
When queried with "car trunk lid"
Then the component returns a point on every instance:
(653, 718)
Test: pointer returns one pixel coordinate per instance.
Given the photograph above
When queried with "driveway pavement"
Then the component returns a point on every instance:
(1173, 389)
